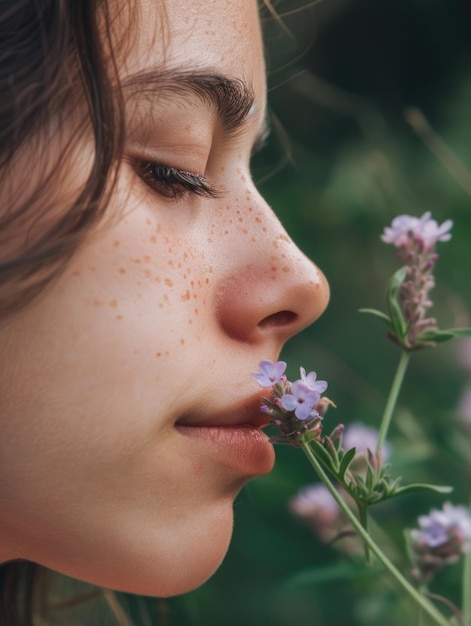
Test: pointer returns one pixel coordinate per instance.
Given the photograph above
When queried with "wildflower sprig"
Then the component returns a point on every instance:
(297, 410)
(357, 475)
(408, 295)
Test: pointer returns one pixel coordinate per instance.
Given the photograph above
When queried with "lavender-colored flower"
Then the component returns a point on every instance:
(442, 538)
(310, 380)
(363, 438)
(302, 400)
(416, 239)
(400, 231)
(430, 232)
(315, 502)
(452, 524)
(270, 373)
(406, 230)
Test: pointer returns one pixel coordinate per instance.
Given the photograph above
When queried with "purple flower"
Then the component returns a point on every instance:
(362, 437)
(399, 233)
(453, 523)
(270, 373)
(405, 230)
(310, 381)
(416, 238)
(301, 400)
(442, 538)
(430, 232)
(315, 501)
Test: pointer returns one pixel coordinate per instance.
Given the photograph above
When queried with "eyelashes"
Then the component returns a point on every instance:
(173, 183)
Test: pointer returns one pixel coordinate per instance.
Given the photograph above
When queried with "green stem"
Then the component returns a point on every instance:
(363, 515)
(466, 592)
(426, 605)
(391, 403)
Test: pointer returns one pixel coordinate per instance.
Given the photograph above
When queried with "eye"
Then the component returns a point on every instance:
(174, 183)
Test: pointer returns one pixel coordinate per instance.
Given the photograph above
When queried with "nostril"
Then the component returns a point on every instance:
(281, 318)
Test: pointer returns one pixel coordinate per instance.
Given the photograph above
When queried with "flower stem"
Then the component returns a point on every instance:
(466, 592)
(363, 515)
(423, 602)
(393, 395)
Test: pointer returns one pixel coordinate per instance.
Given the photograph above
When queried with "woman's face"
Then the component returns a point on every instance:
(129, 419)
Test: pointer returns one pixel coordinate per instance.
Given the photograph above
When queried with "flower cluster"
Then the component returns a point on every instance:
(442, 537)
(416, 239)
(422, 232)
(296, 408)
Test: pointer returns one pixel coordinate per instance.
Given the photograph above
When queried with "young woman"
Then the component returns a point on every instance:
(142, 280)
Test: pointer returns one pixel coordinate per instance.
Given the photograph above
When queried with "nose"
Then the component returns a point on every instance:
(274, 290)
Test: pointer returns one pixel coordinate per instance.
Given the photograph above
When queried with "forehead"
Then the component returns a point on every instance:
(221, 35)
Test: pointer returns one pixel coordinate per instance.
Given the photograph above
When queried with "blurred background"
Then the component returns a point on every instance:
(371, 118)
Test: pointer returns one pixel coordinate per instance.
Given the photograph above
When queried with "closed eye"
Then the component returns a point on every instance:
(171, 182)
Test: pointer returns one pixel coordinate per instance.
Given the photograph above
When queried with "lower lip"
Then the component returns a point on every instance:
(244, 449)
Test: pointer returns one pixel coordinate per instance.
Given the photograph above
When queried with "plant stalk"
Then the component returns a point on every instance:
(392, 399)
(466, 591)
(423, 602)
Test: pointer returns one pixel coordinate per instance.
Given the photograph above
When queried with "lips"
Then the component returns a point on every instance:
(233, 438)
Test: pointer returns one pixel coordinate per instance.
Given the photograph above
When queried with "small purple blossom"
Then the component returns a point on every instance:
(416, 238)
(440, 527)
(310, 380)
(270, 373)
(406, 230)
(302, 400)
(400, 231)
(315, 501)
(363, 438)
(442, 538)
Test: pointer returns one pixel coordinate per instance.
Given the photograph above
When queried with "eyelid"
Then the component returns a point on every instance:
(172, 182)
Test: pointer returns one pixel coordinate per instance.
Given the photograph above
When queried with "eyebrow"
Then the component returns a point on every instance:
(232, 99)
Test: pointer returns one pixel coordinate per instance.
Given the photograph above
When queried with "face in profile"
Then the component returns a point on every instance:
(129, 418)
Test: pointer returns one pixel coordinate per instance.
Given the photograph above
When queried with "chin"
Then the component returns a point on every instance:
(161, 566)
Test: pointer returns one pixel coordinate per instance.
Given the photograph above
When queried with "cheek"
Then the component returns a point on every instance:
(153, 277)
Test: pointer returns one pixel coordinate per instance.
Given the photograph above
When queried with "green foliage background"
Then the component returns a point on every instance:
(343, 160)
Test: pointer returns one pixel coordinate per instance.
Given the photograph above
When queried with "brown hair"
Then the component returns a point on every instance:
(52, 65)
(53, 71)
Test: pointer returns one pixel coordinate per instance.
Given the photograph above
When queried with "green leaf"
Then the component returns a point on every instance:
(382, 316)
(399, 322)
(423, 487)
(445, 335)
(345, 462)
(323, 456)
(333, 452)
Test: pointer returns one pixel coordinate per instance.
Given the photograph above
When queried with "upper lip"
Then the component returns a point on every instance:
(245, 413)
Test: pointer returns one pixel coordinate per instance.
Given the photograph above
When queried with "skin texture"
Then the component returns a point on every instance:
(158, 320)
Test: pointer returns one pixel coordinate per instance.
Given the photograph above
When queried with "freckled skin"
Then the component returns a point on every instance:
(149, 324)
